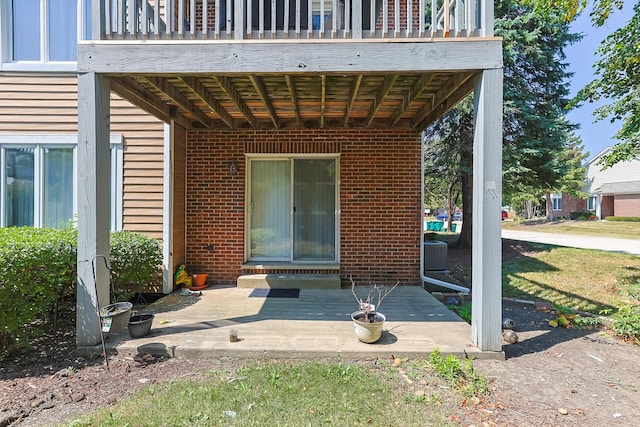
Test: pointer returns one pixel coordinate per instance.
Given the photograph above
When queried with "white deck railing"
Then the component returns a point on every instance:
(282, 19)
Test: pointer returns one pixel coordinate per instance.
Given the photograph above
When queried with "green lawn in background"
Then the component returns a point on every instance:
(617, 229)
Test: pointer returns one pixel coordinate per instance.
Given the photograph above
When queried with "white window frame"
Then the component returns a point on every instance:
(6, 41)
(592, 203)
(556, 202)
(41, 141)
(291, 157)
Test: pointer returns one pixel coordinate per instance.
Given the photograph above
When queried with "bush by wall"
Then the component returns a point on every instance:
(38, 268)
(582, 215)
(135, 261)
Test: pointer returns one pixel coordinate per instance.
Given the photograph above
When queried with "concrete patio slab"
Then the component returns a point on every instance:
(316, 324)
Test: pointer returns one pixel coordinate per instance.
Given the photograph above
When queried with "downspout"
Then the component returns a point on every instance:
(422, 275)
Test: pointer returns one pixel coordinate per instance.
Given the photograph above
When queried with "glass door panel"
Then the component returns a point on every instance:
(314, 209)
(270, 209)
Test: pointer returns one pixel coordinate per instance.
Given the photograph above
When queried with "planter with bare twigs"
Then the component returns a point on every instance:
(368, 322)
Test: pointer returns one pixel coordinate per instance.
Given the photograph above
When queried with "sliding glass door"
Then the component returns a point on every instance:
(293, 209)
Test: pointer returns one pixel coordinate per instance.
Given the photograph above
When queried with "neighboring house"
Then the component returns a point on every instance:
(561, 205)
(39, 126)
(611, 192)
(614, 191)
(295, 142)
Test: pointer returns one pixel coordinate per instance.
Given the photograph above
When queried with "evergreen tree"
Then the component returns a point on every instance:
(539, 149)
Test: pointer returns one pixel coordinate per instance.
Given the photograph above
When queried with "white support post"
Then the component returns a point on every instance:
(238, 19)
(486, 319)
(93, 205)
(167, 209)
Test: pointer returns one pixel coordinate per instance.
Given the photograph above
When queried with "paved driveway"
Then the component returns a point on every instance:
(575, 241)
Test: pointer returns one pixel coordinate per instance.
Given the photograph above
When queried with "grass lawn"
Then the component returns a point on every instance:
(411, 393)
(618, 229)
(593, 281)
(300, 393)
(581, 279)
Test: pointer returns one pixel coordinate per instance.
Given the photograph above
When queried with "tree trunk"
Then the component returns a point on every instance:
(465, 237)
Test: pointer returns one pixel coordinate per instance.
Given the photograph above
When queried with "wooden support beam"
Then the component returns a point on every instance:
(227, 86)
(486, 315)
(416, 90)
(442, 107)
(323, 99)
(355, 87)
(129, 89)
(94, 171)
(205, 96)
(291, 86)
(420, 120)
(382, 93)
(179, 99)
(258, 85)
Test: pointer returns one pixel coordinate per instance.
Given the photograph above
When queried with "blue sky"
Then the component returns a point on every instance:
(580, 57)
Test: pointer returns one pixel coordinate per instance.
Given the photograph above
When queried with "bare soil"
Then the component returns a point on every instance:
(551, 376)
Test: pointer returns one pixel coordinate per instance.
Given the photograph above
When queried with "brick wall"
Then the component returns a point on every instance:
(379, 199)
(606, 207)
(571, 204)
(626, 205)
(391, 17)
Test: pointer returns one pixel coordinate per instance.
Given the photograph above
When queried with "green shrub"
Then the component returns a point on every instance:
(581, 215)
(38, 268)
(623, 218)
(135, 263)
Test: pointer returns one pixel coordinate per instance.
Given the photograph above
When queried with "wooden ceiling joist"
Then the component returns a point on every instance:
(323, 99)
(128, 89)
(205, 96)
(416, 90)
(258, 85)
(291, 86)
(355, 87)
(420, 119)
(227, 86)
(463, 90)
(382, 93)
(179, 99)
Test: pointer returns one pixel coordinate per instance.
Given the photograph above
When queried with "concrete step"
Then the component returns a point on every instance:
(289, 281)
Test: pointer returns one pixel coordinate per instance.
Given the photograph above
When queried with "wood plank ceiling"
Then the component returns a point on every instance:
(302, 100)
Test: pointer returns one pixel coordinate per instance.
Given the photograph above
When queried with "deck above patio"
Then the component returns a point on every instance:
(291, 19)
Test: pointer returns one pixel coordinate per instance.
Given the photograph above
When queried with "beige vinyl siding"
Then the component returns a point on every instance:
(43, 103)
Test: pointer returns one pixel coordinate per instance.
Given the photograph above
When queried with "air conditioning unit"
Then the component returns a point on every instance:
(435, 255)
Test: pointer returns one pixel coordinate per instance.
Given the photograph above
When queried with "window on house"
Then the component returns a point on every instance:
(41, 32)
(556, 199)
(292, 209)
(38, 186)
(591, 203)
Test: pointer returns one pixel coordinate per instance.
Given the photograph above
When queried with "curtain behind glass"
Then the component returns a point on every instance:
(63, 30)
(19, 189)
(270, 209)
(315, 206)
(58, 187)
(26, 30)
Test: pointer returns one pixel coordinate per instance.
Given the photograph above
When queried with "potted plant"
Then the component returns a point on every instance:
(367, 320)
